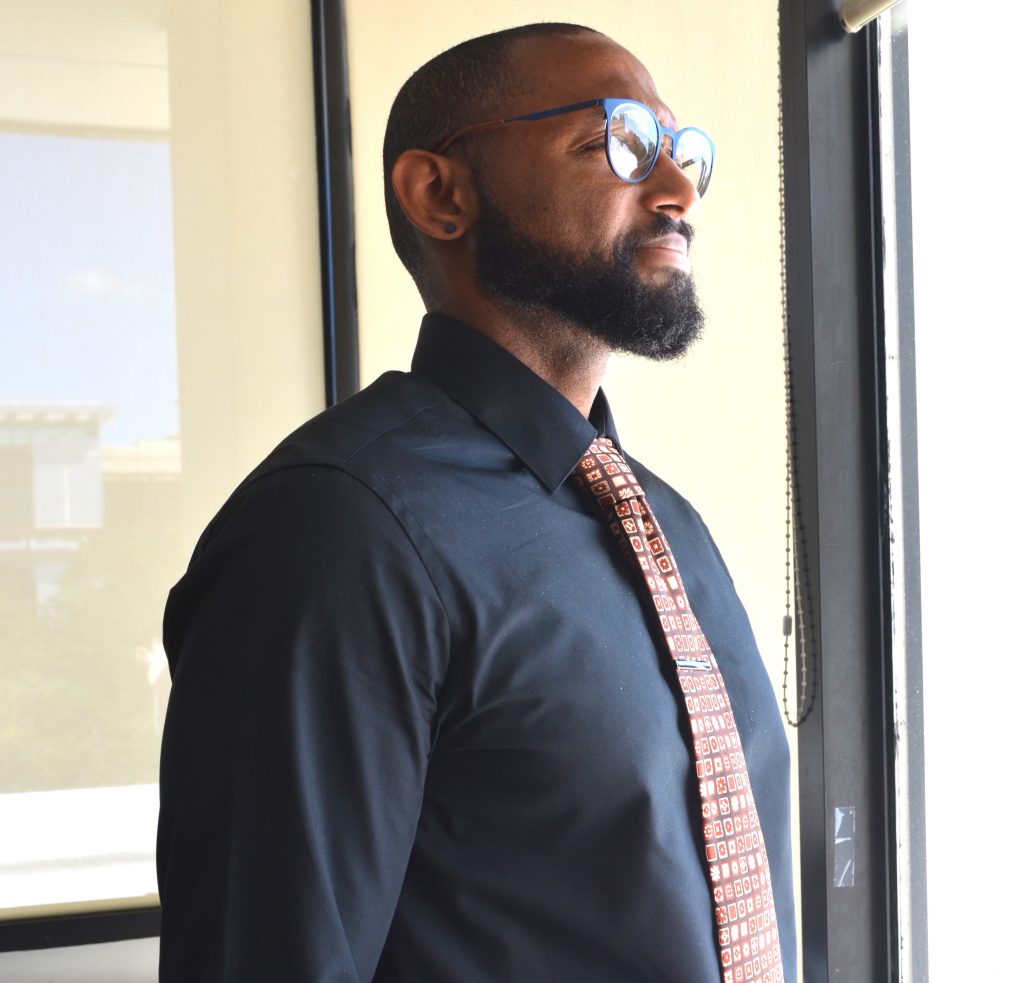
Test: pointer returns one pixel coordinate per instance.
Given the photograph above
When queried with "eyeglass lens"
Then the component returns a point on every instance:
(632, 141)
(633, 146)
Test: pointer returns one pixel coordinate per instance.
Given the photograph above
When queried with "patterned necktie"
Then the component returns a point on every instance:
(748, 937)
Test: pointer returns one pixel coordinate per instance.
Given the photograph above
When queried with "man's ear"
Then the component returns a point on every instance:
(435, 192)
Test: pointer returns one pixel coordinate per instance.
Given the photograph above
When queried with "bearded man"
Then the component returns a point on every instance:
(461, 693)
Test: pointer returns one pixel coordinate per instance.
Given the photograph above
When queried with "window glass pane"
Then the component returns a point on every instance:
(160, 328)
(970, 404)
(90, 403)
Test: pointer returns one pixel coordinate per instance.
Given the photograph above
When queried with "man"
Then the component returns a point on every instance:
(427, 723)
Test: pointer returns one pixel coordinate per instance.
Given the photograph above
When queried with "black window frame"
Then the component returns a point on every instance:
(79, 928)
(836, 324)
(337, 207)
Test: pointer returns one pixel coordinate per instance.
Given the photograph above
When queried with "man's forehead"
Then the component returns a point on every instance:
(561, 70)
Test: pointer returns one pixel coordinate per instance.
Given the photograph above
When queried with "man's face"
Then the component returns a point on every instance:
(558, 231)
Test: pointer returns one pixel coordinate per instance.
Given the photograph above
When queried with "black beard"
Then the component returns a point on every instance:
(604, 297)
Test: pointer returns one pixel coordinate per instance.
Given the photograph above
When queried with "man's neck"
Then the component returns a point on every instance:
(560, 352)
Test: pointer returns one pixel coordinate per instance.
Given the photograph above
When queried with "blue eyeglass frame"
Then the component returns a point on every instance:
(609, 106)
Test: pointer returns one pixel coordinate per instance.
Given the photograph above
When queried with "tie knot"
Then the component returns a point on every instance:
(604, 445)
(605, 472)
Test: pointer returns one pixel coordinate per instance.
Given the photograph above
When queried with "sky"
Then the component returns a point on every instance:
(87, 279)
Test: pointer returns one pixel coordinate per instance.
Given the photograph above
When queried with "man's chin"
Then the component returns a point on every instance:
(664, 323)
(660, 349)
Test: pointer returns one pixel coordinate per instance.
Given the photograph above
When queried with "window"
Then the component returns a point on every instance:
(958, 350)
(91, 397)
(161, 330)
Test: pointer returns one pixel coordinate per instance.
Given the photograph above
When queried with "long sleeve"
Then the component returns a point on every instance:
(307, 646)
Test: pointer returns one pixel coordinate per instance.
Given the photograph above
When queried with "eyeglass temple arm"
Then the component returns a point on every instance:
(558, 111)
(527, 117)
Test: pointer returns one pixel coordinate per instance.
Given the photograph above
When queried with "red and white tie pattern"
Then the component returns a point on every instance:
(748, 936)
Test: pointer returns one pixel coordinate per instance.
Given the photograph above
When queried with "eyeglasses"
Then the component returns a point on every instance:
(633, 137)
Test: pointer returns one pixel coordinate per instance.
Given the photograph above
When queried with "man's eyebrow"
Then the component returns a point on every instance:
(588, 120)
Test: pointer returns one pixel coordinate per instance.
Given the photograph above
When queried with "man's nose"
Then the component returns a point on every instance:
(668, 188)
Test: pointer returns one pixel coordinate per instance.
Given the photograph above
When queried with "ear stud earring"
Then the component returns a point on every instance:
(450, 226)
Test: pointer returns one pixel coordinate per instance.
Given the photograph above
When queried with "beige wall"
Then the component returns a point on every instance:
(713, 424)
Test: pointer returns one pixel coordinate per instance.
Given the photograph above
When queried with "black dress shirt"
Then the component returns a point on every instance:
(422, 726)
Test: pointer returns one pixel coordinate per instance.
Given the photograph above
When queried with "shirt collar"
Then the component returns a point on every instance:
(533, 419)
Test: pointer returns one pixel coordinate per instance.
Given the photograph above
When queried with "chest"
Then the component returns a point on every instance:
(558, 671)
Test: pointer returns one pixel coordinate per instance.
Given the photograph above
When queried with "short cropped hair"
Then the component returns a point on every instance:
(464, 85)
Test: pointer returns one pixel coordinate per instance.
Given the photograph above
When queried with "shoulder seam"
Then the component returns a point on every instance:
(341, 465)
(397, 426)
